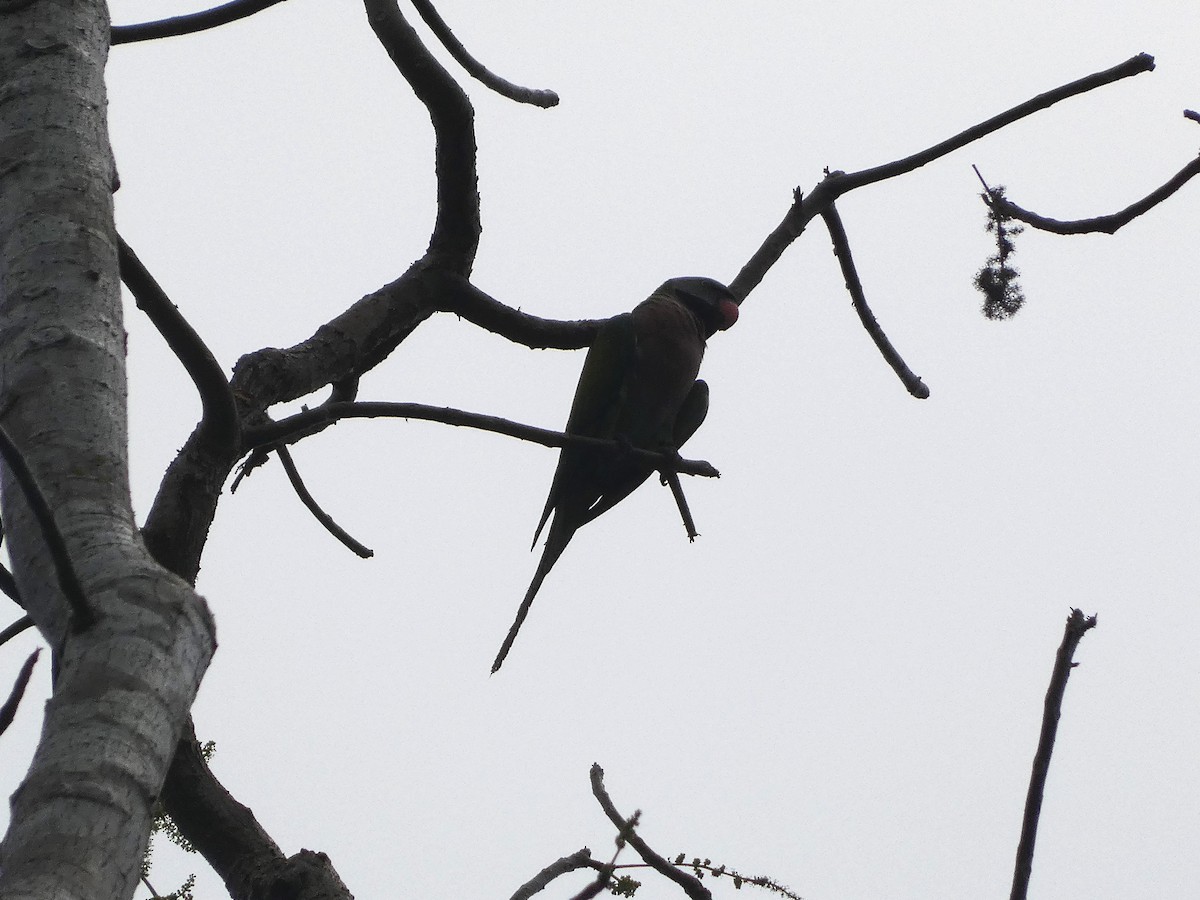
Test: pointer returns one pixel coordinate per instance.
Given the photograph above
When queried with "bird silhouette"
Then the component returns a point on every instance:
(638, 387)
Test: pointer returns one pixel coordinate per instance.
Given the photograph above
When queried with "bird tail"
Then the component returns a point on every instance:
(556, 542)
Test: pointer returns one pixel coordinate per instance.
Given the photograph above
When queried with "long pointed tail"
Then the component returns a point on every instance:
(555, 544)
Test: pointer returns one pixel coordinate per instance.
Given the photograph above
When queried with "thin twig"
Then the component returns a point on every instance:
(82, 615)
(9, 710)
(189, 24)
(580, 859)
(23, 623)
(841, 249)
(313, 507)
(474, 68)
(8, 585)
(1106, 224)
(692, 886)
(805, 208)
(326, 414)
(219, 419)
(671, 479)
(1077, 626)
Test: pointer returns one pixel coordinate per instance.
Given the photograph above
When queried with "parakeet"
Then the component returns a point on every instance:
(638, 387)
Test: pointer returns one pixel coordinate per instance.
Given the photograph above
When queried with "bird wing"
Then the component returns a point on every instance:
(600, 394)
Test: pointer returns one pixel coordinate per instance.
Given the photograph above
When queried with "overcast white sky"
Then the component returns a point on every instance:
(840, 683)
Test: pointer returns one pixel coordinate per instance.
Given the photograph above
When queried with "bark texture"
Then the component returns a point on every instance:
(123, 686)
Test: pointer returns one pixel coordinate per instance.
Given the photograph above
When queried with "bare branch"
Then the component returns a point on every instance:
(82, 615)
(671, 479)
(1077, 626)
(8, 585)
(1135, 65)
(457, 295)
(191, 23)
(1106, 224)
(841, 249)
(9, 710)
(1191, 114)
(442, 32)
(219, 422)
(326, 414)
(456, 232)
(313, 507)
(580, 859)
(692, 886)
(805, 209)
(22, 624)
(604, 872)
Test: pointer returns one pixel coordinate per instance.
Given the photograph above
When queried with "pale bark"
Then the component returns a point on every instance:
(123, 686)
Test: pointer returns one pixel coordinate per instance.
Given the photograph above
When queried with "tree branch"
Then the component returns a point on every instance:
(82, 615)
(8, 585)
(219, 421)
(313, 507)
(1077, 626)
(189, 24)
(805, 209)
(456, 232)
(326, 414)
(580, 859)
(1106, 224)
(692, 886)
(9, 710)
(442, 32)
(457, 295)
(671, 479)
(22, 624)
(841, 249)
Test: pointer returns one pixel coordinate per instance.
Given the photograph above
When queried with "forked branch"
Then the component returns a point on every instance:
(692, 886)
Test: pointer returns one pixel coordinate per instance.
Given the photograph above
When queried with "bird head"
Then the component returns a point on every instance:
(713, 304)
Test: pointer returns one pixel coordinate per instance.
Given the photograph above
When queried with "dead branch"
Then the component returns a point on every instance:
(22, 624)
(457, 295)
(580, 859)
(457, 228)
(805, 208)
(474, 68)
(692, 886)
(304, 422)
(1105, 224)
(1077, 626)
(82, 615)
(293, 474)
(191, 23)
(9, 710)
(219, 420)
(841, 249)
(671, 479)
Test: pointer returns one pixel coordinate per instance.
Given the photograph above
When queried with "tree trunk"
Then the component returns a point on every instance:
(124, 685)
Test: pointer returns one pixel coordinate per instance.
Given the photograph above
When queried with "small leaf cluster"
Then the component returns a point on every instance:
(997, 280)
(624, 886)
